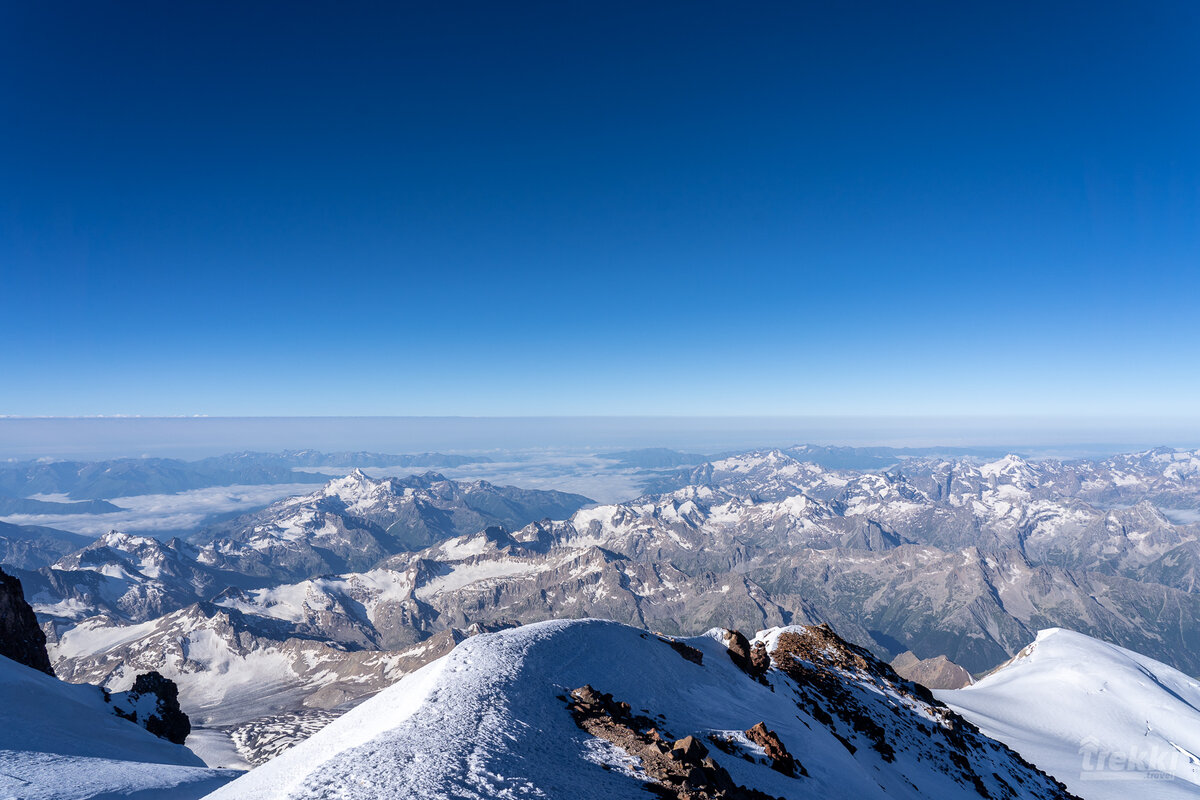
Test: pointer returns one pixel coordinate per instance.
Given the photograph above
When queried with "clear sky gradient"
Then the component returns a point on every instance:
(600, 208)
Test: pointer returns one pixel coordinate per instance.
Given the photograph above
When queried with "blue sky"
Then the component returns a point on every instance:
(600, 208)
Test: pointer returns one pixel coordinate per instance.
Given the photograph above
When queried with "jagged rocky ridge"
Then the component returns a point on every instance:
(592, 709)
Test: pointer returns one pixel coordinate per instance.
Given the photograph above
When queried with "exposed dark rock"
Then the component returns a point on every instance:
(781, 759)
(833, 675)
(690, 750)
(21, 638)
(685, 650)
(739, 649)
(754, 661)
(683, 771)
(760, 660)
(158, 699)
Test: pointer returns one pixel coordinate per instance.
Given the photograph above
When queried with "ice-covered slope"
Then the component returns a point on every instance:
(61, 740)
(492, 719)
(1108, 722)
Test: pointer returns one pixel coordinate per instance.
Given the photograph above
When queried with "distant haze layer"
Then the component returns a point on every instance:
(97, 438)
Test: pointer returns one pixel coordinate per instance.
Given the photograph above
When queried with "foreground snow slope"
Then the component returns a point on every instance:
(1108, 722)
(62, 741)
(490, 720)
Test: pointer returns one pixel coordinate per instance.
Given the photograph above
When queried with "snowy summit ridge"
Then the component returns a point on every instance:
(498, 717)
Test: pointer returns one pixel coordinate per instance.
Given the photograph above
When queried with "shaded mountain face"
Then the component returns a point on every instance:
(20, 637)
(938, 672)
(25, 505)
(594, 709)
(31, 547)
(153, 703)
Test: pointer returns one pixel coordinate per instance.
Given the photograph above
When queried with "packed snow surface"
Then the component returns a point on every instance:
(1109, 723)
(61, 741)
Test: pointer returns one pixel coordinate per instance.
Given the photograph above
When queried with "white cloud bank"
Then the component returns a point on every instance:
(149, 513)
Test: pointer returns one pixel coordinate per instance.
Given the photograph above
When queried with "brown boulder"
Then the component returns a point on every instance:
(768, 740)
(690, 750)
(739, 649)
(760, 659)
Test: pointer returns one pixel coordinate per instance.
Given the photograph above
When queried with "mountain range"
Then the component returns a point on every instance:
(85, 486)
(303, 609)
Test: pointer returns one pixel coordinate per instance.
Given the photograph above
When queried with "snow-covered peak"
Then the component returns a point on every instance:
(128, 557)
(1168, 464)
(463, 547)
(118, 540)
(355, 487)
(770, 459)
(1012, 468)
(1095, 715)
(1046, 633)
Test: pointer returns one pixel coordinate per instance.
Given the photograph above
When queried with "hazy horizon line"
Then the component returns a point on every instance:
(647, 416)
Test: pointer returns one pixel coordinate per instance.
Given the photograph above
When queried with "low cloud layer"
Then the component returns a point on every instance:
(1182, 516)
(151, 513)
(597, 478)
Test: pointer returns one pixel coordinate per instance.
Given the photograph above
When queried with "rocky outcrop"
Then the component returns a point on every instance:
(739, 649)
(687, 651)
(153, 703)
(751, 659)
(932, 673)
(781, 759)
(681, 769)
(21, 638)
(499, 718)
(760, 660)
